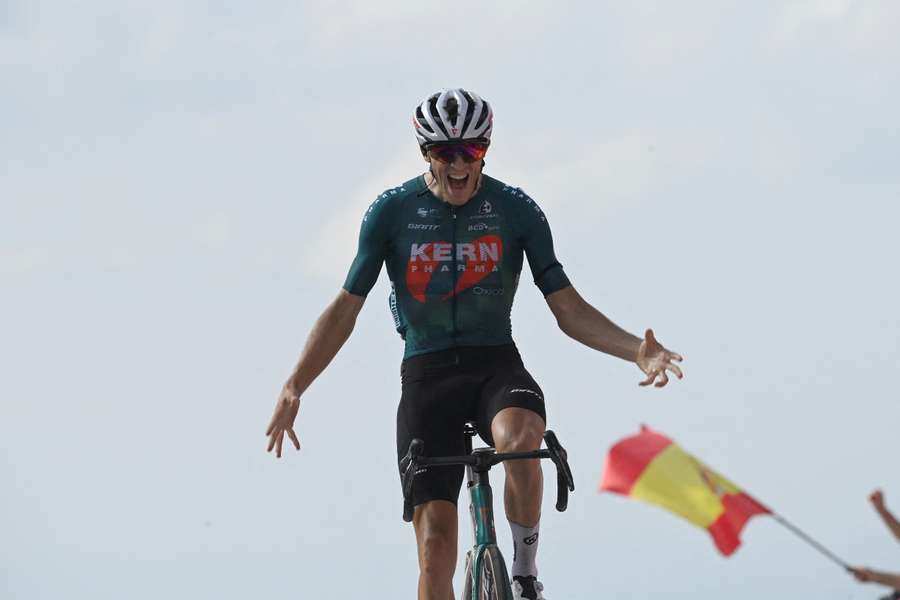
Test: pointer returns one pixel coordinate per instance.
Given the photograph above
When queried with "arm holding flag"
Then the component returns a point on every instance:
(584, 323)
(867, 575)
(877, 500)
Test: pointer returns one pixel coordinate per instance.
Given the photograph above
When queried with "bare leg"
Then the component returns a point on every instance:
(520, 430)
(436, 530)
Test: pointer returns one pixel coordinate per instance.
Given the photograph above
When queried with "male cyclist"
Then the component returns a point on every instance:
(453, 241)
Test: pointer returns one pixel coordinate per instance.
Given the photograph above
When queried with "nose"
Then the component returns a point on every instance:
(458, 162)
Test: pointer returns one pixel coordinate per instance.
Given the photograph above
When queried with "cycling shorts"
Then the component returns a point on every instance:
(444, 390)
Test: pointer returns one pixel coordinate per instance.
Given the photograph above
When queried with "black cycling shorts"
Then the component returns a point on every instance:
(444, 390)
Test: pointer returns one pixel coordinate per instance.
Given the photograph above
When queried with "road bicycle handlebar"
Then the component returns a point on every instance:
(565, 483)
(414, 463)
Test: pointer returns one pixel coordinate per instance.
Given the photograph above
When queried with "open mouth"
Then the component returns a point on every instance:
(457, 182)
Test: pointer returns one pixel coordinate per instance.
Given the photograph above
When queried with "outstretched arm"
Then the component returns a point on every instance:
(328, 335)
(877, 500)
(584, 323)
(868, 575)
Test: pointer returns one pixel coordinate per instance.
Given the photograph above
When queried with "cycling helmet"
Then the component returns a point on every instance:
(453, 115)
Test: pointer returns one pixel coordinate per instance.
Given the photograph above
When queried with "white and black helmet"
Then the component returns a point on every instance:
(453, 115)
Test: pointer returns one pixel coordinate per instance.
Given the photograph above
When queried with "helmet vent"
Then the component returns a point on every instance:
(452, 109)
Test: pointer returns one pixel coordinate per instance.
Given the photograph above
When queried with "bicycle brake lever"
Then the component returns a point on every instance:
(565, 483)
(408, 472)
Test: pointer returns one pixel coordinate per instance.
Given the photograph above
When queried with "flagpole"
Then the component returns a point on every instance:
(809, 540)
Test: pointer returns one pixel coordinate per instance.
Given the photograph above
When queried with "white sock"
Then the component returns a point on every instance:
(525, 545)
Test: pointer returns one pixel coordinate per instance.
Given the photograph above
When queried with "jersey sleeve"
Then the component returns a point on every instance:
(537, 242)
(374, 237)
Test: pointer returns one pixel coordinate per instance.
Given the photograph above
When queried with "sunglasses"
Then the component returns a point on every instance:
(468, 151)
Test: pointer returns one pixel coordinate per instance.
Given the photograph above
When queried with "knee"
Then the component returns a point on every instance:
(517, 432)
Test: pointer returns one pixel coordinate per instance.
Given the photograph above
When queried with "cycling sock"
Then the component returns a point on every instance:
(525, 544)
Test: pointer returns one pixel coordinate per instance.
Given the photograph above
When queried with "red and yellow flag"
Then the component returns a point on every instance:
(651, 467)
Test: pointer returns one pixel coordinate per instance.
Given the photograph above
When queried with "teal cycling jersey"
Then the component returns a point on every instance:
(454, 270)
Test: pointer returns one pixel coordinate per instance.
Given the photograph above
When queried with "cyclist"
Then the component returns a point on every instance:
(866, 574)
(453, 242)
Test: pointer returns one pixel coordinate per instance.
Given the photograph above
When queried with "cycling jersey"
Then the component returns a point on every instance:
(454, 269)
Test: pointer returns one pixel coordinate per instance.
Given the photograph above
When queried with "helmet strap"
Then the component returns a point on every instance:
(431, 172)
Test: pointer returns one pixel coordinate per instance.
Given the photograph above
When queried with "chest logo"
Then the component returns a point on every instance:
(475, 260)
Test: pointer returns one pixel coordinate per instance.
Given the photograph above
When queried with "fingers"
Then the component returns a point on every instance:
(675, 370)
(676, 357)
(650, 340)
(294, 439)
(664, 379)
(652, 377)
(658, 376)
(276, 417)
(282, 422)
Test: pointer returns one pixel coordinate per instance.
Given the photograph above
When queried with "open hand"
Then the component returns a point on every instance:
(655, 360)
(283, 421)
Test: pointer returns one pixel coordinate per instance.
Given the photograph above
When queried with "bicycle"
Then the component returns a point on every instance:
(486, 574)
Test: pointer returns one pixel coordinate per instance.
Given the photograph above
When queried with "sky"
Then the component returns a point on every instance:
(181, 186)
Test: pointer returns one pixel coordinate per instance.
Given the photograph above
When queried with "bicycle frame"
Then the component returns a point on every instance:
(485, 567)
(481, 510)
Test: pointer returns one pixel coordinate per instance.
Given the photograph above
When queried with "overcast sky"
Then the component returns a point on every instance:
(181, 187)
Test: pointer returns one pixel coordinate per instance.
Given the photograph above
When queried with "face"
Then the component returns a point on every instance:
(454, 182)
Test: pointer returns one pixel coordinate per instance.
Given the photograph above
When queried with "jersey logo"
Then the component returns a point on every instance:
(485, 208)
(428, 212)
(475, 260)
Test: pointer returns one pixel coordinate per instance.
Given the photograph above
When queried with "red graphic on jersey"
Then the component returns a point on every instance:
(481, 257)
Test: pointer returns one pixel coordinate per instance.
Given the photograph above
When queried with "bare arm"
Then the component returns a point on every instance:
(328, 335)
(877, 500)
(868, 575)
(584, 323)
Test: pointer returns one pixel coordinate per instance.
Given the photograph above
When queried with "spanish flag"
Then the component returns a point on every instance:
(651, 467)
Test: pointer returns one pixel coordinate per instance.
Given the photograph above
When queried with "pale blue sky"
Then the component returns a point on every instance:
(182, 185)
